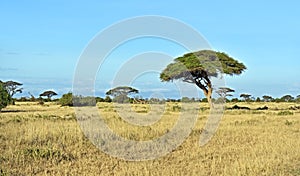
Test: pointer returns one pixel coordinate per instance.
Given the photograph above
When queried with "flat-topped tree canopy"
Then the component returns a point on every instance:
(122, 90)
(13, 87)
(200, 64)
(225, 91)
(48, 93)
(121, 93)
(245, 96)
(198, 68)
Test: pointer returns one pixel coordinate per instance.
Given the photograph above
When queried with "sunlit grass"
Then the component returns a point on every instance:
(47, 140)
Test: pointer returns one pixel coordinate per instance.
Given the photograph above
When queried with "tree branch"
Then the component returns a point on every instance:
(200, 85)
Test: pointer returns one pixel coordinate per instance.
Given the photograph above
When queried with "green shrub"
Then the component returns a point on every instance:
(84, 101)
(66, 99)
(47, 153)
(288, 123)
(176, 108)
(5, 98)
(283, 113)
(70, 100)
(121, 99)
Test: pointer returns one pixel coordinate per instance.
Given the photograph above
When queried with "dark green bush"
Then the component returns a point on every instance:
(5, 98)
(66, 99)
(121, 99)
(70, 100)
(283, 113)
(84, 101)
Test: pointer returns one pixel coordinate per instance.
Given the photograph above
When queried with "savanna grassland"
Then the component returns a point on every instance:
(47, 140)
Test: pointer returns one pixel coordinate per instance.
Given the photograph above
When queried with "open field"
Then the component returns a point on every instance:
(46, 140)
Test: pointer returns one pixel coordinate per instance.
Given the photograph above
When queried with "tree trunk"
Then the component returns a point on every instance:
(207, 89)
(208, 94)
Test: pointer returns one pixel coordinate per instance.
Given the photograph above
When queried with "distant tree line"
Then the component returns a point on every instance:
(67, 100)
(121, 94)
(9, 88)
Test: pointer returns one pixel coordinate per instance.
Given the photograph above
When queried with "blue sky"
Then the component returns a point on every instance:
(41, 42)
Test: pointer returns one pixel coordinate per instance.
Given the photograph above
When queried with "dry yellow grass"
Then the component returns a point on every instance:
(46, 140)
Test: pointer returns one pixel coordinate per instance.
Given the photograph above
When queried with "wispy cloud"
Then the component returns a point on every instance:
(12, 53)
(38, 53)
(4, 69)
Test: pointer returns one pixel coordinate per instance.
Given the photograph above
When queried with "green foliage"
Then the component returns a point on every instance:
(188, 100)
(121, 93)
(84, 101)
(66, 99)
(230, 66)
(258, 99)
(41, 102)
(99, 99)
(107, 99)
(122, 90)
(121, 99)
(13, 87)
(267, 98)
(235, 100)
(48, 94)
(176, 108)
(185, 99)
(70, 100)
(47, 153)
(287, 98)
(204, 100)
(246, 97)
(288, 123)
(201, 64)
(198, 68)
(225, 91)
(277, 100)
(284, 113)
(297, 100)
(5, 98)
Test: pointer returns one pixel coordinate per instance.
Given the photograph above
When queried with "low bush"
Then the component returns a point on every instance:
(70, 100)
(5, 99)
(283, 113)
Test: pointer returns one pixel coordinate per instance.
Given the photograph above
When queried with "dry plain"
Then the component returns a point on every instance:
(47, 140)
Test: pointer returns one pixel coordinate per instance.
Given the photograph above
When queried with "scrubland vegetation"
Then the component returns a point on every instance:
(47, 140)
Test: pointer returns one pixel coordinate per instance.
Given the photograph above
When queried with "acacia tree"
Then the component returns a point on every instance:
(287, 98)
(5, 98)
(13, 87)
(246, 97)
(121, 93)
(199, 67)
(48, 94)
(225, 92)
(267, 98)
(297, 98)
